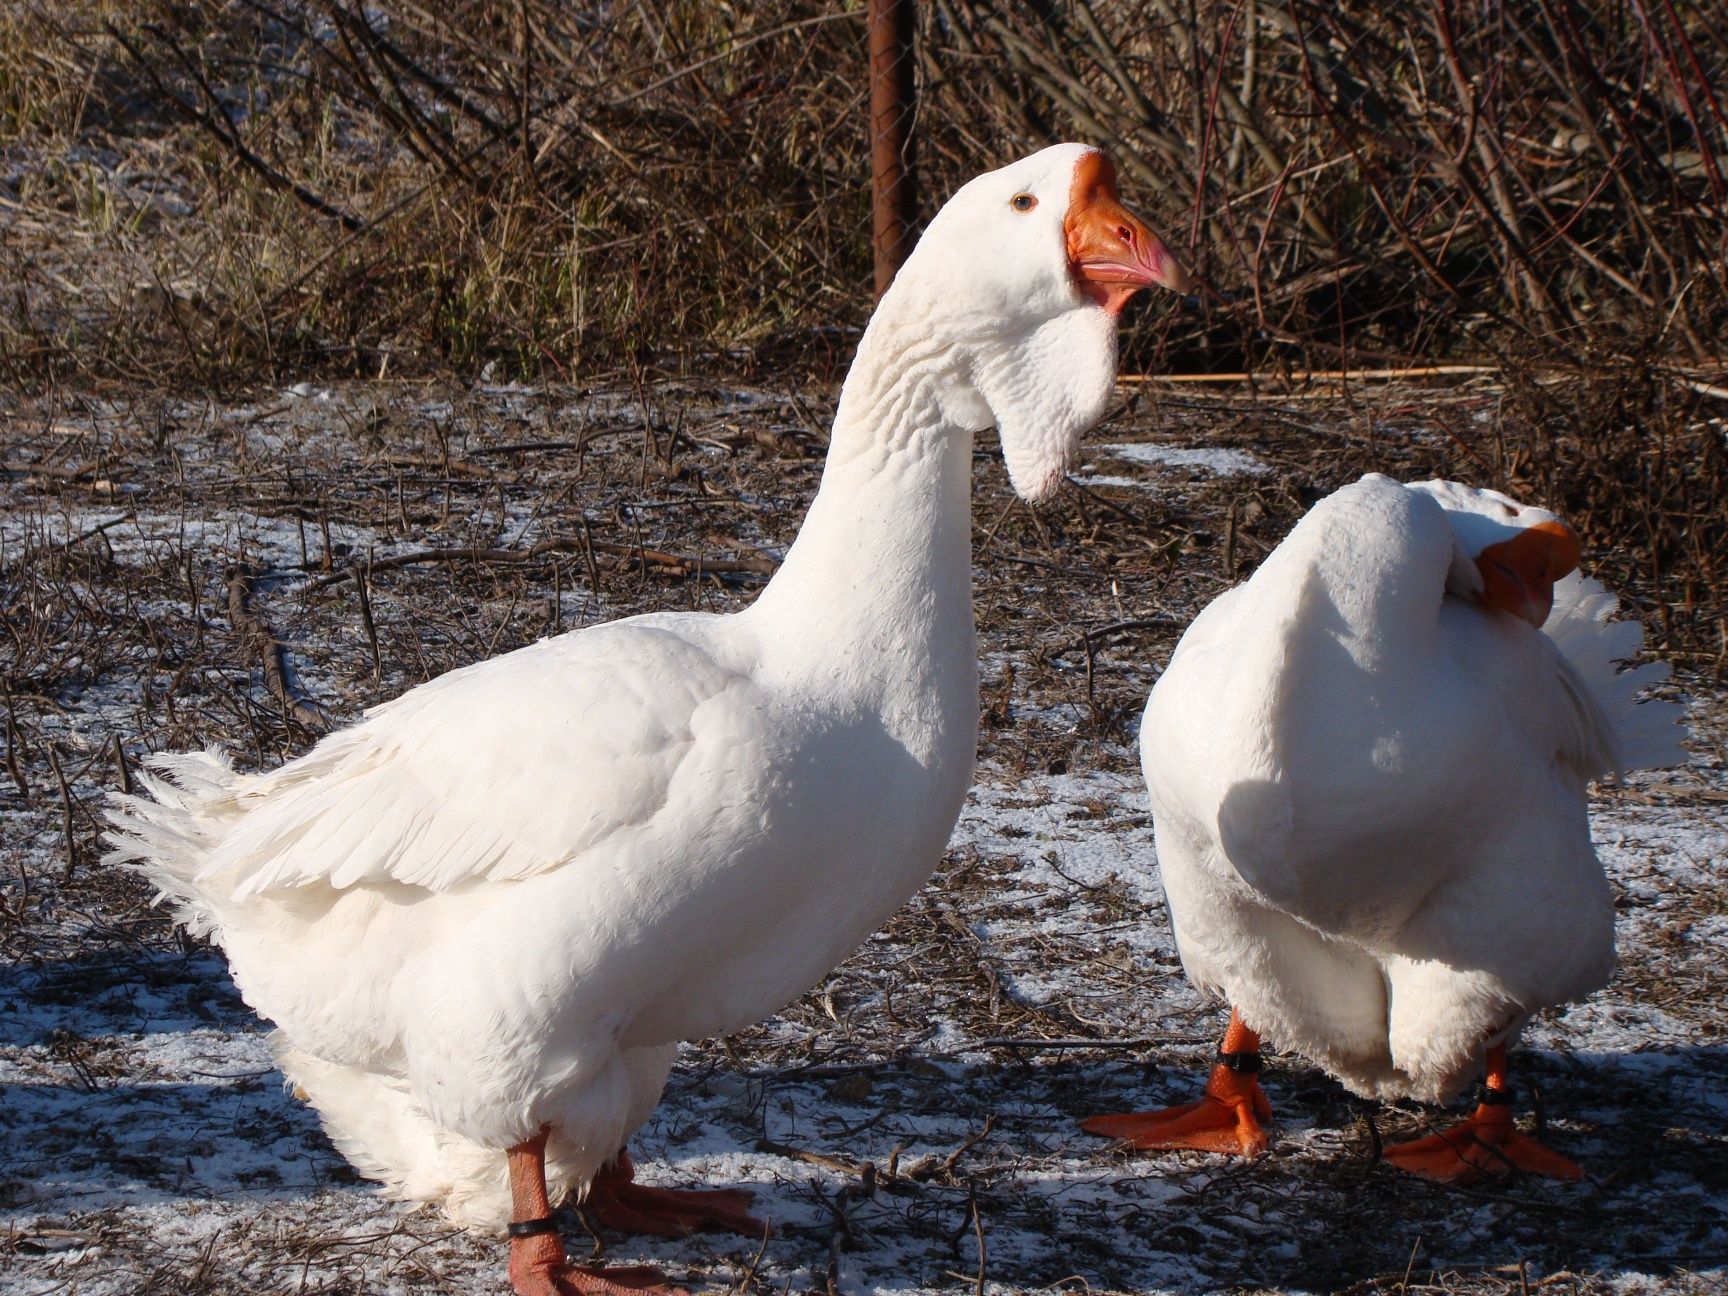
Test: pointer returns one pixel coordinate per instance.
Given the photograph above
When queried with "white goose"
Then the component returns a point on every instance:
(1368, 782)
(483, 918)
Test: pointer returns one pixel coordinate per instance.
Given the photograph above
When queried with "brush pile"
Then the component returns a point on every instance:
(292, 181)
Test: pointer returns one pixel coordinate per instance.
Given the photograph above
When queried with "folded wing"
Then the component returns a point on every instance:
(493, 773)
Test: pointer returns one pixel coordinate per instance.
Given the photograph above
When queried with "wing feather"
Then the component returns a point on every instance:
(1641, 732)
(495, 772)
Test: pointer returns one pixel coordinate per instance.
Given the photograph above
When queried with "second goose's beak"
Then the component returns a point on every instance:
(1518, 575)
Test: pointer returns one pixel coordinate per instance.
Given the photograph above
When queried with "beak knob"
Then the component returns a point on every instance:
(1112, 252)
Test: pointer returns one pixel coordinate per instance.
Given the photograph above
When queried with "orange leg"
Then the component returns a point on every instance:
(1227, 1119)
(617, 1201)
(1485, 1144)
(538, 1266)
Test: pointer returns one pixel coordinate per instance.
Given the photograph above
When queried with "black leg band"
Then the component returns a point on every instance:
(1247, 1063)
(531, 1228)
(1495, 1097)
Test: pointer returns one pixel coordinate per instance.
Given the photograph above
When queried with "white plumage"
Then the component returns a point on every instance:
(498, 903)
(509, 893)
(1370, 792)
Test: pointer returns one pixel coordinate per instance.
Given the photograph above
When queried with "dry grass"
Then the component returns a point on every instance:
(223, 191)
(231, 189)
(202, 195)
(1533, 178)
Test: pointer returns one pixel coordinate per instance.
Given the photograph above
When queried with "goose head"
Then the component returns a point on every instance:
(1506, 555)
(1018, 282)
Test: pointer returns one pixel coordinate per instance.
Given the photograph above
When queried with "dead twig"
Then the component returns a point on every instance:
(216, 121)
(844, 1167)
(1087, 638)
(14, 739)
(682, 563)
(252, 630)
(65, 810)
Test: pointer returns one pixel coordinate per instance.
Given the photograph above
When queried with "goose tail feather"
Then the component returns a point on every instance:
(168, 831)
(1647, 732)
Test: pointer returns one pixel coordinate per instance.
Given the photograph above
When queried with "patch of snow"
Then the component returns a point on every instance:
(1220, 461)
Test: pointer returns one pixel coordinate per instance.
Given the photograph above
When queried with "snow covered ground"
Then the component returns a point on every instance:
(910, 1125)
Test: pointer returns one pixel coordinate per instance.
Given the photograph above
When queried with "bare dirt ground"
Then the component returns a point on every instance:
(909, 1125)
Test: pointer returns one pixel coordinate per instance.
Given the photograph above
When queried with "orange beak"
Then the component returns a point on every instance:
(1111, 251)
(1518, 575)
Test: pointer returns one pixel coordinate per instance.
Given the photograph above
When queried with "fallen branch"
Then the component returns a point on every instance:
(251, 627)
(99, 529)
(216, 121)
(76, 473)
(929, 1166)
(1060, 1045)
(1086, 638)
(814, 1158)
(66, 823)
(754, 566)
(1321, 375)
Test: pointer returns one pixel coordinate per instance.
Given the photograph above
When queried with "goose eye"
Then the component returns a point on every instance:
(1023, 202)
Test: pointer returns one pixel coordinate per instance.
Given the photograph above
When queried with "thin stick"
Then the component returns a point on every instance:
(98, 529)
(14, 766)
(1061, 1045)
(362, 584)
(814, 1158)
(593, 567)
(978, 1232)
(251, 627)
(1320, 375)
(1086, 638)
(121, 767)
(65, 809)
(755, 566)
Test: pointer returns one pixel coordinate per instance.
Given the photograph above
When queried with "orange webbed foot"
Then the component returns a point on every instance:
(1486, 1144)
(617, 1201)
(538, 1267)
(538, 1264)
(1228, 1119)
(564, 1279)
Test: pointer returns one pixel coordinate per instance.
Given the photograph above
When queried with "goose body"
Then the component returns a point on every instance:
(1368, 771)
(483, 918)
(500, 901)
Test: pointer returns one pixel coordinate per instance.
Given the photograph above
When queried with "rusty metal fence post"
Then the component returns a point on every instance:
(893, 195)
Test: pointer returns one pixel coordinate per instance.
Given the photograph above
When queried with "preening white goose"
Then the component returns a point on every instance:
(1368, 767)
(483, 918)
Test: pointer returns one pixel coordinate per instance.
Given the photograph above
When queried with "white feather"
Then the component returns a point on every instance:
(1646, 732)
(1370, 793)
(500, 901)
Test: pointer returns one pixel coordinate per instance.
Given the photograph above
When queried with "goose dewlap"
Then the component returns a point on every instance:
(1008, 307)
(1112, 251)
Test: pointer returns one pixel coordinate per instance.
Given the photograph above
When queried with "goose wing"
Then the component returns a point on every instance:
(494, 772)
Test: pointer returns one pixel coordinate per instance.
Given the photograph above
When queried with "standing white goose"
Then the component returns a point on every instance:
(483, 918)
(1368, 782)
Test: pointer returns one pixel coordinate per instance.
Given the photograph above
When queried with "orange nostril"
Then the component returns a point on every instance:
(1125, 234)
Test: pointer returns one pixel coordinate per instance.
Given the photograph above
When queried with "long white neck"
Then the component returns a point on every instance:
(878, 584)
(1340, 623)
